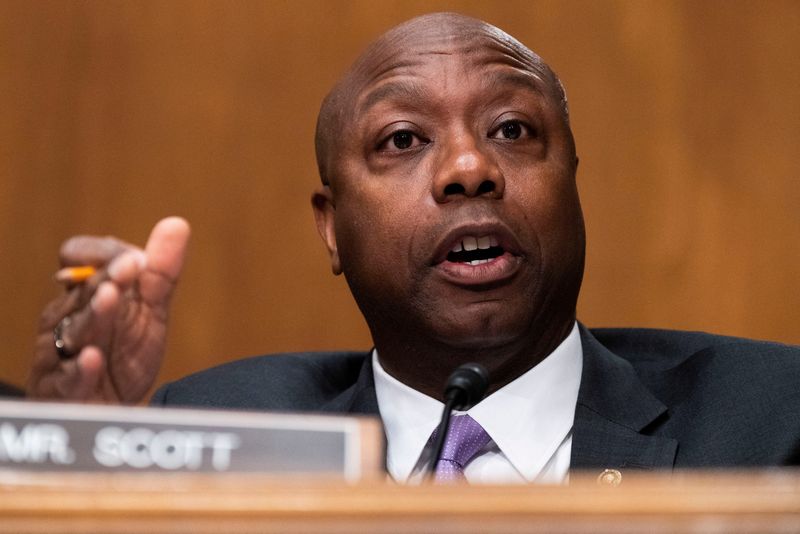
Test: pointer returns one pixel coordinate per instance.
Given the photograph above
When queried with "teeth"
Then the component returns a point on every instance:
(470, 243)
(477, 262)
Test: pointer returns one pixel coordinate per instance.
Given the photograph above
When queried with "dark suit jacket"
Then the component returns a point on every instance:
(649, 399)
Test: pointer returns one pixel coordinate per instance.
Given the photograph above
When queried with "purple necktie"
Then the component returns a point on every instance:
(465, 437)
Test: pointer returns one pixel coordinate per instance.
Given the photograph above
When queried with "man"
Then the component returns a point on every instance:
(449, 203)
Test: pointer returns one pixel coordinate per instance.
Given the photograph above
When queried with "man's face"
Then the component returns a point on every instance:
(455, 211)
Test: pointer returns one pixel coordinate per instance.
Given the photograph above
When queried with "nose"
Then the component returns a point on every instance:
(467, 170)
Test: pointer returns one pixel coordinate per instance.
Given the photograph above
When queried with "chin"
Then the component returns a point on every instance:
(479, 335)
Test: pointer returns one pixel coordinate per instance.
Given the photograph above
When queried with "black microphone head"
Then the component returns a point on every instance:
(467, 385)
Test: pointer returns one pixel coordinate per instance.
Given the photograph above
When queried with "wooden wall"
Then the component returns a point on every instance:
(114, 114)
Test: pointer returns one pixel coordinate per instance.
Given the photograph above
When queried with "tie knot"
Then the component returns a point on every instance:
(465, 437)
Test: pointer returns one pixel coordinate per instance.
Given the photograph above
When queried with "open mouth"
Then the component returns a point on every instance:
(475, 250)
(478, 255)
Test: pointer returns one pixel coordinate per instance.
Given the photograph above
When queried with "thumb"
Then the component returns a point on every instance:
(165, 253)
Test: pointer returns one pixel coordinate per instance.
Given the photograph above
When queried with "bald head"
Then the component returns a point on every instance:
(446, 32)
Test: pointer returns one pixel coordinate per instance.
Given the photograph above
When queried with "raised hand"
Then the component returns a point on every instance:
(113, 325)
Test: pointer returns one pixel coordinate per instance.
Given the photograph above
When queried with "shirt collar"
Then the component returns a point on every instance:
(409, 417)
(527, 418)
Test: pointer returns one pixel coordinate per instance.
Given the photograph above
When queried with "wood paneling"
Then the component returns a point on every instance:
(114, 114)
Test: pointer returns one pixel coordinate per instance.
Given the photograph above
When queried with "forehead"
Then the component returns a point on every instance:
(401, 68)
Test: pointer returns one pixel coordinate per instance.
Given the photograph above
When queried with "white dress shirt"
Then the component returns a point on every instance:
(529, 421)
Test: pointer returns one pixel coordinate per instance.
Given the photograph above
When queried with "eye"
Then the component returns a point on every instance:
(511, 130)
(400, 140)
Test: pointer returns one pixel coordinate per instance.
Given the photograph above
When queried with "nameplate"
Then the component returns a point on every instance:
(76, 437)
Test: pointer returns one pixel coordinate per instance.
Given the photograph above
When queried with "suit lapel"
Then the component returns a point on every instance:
(360, 397)
(613, 414)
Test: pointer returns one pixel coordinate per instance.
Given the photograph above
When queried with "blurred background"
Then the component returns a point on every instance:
(114, 114)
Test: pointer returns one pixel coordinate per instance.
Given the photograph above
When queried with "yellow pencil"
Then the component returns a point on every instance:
(75, 275)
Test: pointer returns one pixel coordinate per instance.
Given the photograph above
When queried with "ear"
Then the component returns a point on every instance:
(325, 216)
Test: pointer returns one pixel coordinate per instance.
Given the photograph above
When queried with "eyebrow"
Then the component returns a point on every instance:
(517, 79)
(400, 89)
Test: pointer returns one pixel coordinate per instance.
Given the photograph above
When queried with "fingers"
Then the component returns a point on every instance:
(126, 268)
(104, 300)
(76, 379)
(106, 310)
(91, 250)
(80, 377)
(91, 305)
(59, 308)
(123, 262)
(165, 251)
(89, 328)
(93, 324)
(166, 247)
(89, 324)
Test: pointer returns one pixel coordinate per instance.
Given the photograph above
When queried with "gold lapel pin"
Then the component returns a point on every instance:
(610, 477)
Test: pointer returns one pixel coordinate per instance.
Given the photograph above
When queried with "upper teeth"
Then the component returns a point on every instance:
(473, 243)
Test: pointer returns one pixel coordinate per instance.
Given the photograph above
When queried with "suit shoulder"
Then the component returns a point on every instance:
(730, 401)
(655, 349)
(285, 381)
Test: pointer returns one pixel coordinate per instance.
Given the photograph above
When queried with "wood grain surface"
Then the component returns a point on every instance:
(689, 502)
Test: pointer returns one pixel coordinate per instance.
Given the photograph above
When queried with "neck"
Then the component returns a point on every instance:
(425, 364)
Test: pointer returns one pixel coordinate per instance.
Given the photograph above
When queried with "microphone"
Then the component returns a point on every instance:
(465, 388)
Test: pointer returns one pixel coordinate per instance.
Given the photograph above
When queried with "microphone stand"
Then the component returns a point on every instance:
(465, 388)
(441, 434)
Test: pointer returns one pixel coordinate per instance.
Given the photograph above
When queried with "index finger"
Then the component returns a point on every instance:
(166, 247)
(165, 251)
